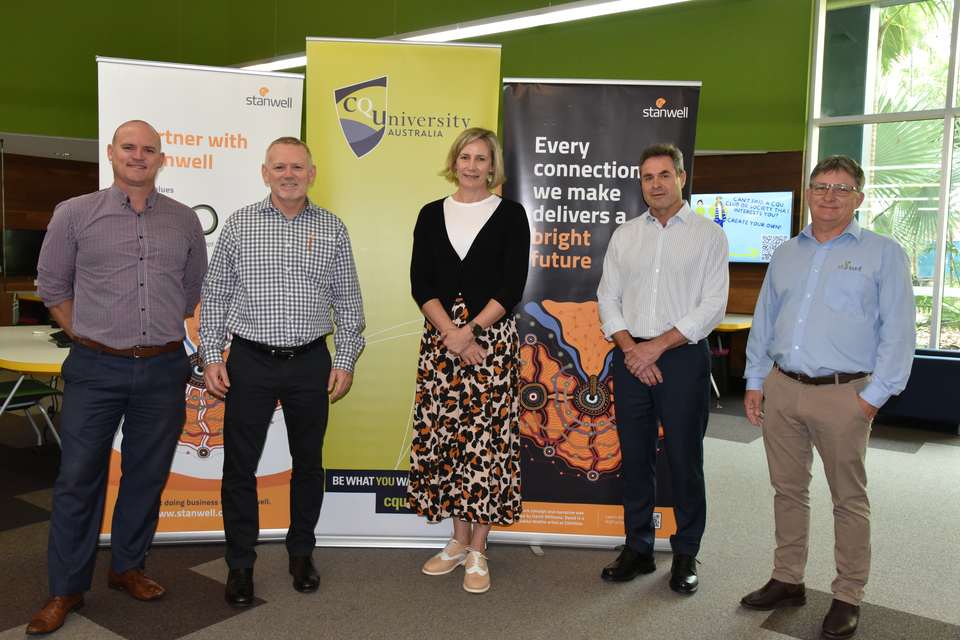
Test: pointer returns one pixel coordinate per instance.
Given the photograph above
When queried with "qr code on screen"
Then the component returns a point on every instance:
(656, 520)
(768, 244)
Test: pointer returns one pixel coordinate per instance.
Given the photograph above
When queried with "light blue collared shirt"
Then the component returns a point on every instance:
(843, 306)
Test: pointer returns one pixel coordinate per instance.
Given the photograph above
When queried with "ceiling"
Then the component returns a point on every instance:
(78, 149)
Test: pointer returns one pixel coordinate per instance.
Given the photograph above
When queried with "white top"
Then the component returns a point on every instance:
(656, 278)
(464, 221)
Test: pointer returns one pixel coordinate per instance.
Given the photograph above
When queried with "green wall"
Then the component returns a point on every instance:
(752, 55)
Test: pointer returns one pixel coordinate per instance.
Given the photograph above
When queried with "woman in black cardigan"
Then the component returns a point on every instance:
(469, 267)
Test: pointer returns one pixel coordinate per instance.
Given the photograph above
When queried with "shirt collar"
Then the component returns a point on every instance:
(266, 206)
(683, 215)
(124, 200)
(853, 230)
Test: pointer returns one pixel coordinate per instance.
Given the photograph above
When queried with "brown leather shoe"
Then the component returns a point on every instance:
(842, 619)
(137, 585)
(773, 594)
(54, 613)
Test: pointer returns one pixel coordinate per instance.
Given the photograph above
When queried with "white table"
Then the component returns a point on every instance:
(30, 351)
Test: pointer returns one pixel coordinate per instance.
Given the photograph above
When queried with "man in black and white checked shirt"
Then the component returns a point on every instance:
(278, 268)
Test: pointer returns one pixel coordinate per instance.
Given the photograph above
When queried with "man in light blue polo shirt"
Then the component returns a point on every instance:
(833, 338)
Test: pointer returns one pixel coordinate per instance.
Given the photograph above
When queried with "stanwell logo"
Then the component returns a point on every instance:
(263, 101)
(660, 112)
(846, 266)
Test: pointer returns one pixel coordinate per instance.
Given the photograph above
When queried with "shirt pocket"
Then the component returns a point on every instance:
(169, 253)
(316, 255)
(844, 294)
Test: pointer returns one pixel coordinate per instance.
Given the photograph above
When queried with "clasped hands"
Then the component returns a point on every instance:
(460, 342)
(641, 361)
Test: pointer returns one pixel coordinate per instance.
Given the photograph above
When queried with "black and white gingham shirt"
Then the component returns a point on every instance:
(274, 281)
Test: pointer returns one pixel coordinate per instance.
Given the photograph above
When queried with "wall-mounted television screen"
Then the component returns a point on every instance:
(21, 250)
(756, 223)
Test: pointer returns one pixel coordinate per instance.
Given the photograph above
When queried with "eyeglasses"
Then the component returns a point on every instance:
(839, 190)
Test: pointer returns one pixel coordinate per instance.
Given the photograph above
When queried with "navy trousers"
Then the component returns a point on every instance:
(257, 381)
(681, 404)
(99, 389)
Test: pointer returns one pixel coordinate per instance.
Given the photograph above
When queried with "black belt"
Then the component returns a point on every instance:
(837, 378)
(279, 352)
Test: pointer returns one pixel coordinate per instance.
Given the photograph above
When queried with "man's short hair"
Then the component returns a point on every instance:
(668, 150)
(498, 177)
(839, 163)
(296, 142)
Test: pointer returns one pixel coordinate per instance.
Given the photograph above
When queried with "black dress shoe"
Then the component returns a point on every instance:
(629, 565)
(842, 619)
(239, 591)
(683, 578)
(773, 594)
(306, 578)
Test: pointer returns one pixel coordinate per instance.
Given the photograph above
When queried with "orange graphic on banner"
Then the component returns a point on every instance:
(197, 501)
(202, 432)
(567, 410)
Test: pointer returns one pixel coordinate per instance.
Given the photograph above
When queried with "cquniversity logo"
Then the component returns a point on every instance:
(362, 110)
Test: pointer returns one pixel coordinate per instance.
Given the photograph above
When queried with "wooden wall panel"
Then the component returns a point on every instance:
(33, 187)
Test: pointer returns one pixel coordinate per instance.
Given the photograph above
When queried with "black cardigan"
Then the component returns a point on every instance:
(494, 268)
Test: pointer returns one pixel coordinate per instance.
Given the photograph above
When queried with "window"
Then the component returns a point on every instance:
(884, 93)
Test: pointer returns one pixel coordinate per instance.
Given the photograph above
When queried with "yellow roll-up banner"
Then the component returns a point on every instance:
(381, 117)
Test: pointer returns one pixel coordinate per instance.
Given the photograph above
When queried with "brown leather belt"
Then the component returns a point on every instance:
(837, 378)
(136, 352)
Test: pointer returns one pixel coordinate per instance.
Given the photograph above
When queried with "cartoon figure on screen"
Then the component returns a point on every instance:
(700, 209)
(719, 211)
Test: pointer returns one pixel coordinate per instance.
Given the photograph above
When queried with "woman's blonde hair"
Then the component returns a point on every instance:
(498, 177)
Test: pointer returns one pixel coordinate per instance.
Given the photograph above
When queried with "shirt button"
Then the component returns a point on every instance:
(808, 295)
(142, 309)
(141, 284)
(796, 347)
(801, 319)
(144, 333)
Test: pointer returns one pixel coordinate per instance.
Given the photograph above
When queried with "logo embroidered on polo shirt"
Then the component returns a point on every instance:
(846, 266)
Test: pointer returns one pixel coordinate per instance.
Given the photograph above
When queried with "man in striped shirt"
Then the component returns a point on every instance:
(663, 290)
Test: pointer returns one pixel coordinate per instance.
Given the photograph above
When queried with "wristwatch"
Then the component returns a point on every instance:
(477, 329)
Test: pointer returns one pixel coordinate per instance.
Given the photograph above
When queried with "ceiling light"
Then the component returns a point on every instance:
(488, 26)
(533, 18)
(278, 64)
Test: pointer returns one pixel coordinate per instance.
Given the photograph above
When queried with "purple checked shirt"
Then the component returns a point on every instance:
(133, 276)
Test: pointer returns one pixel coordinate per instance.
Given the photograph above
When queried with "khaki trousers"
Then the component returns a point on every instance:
(798, 417)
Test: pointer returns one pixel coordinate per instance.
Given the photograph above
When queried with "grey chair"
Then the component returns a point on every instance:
(22, 394)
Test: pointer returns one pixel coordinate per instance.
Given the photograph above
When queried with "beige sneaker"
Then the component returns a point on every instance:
(477, 576)
(452, 556)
